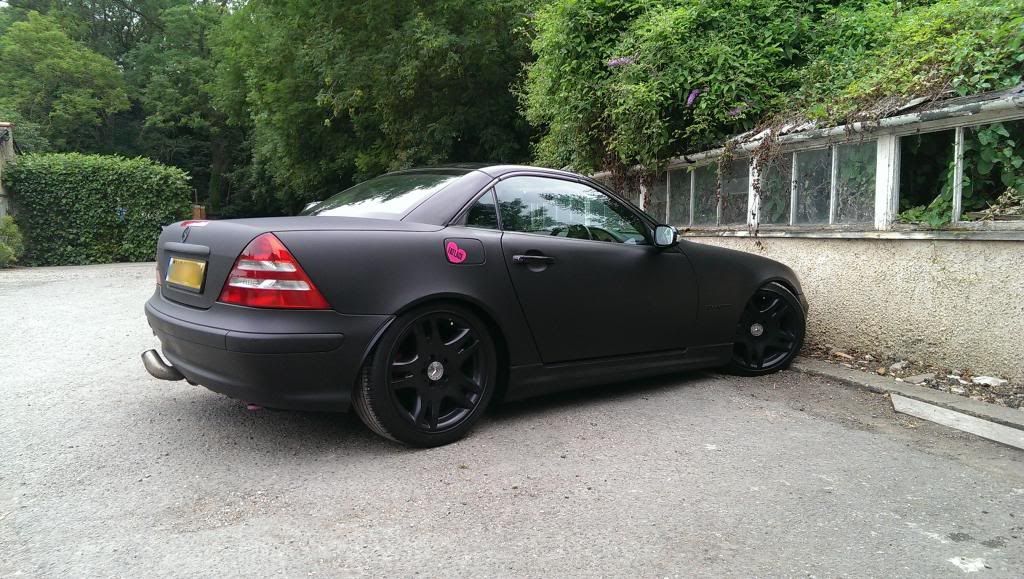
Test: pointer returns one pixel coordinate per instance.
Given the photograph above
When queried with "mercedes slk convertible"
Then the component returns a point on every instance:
(420, 297)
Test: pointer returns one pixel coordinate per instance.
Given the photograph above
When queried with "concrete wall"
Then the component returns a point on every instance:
(956, 303)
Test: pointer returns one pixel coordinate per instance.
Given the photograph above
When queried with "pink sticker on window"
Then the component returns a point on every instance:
(454, 253)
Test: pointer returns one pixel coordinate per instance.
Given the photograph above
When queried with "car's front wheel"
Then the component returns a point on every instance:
(430, 377)
(770, 332)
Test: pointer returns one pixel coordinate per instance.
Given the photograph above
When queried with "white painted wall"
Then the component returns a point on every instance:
(951, 303)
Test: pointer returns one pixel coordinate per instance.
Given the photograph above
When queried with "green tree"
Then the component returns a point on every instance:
(110, 27)
(171, 76)
(621, 82)
(333, 92)
(58, 84)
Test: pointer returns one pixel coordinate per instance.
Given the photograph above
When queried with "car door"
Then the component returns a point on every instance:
(588, 279)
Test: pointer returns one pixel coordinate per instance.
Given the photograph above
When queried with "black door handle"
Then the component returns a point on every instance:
(532, 259)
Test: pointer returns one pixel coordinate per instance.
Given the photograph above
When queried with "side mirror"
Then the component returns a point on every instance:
(665, 236)
(308, 206)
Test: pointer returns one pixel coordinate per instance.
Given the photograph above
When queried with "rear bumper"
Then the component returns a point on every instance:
(303, 360)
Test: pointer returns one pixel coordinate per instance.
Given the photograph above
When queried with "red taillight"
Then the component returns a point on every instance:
(267, 275)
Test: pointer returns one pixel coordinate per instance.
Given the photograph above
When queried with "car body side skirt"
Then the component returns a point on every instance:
(537, 379)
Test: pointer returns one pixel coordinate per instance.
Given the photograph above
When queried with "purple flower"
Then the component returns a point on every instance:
(620, 61)
(739, 110)
(693, 97)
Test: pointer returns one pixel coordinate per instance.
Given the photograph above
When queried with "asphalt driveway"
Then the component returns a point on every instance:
(105, 471)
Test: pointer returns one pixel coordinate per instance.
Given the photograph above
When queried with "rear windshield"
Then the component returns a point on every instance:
(384, 197)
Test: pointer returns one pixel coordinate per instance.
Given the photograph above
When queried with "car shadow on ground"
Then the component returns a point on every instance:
(221, 417)
(579, 398)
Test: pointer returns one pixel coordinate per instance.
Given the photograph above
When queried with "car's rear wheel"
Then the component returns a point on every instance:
(770, 332)
(430, 377)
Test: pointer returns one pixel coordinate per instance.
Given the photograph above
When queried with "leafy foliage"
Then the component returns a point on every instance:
(268, 104)
(993, 167)
(872, 55)
(57, 83)
(79, 209)
(335, 92)
(172, 73)
(11, 244)
(624, 82)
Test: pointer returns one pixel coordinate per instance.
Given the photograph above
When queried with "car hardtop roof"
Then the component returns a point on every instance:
(491, 170)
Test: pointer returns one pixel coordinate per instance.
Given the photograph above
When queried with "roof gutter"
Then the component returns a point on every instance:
(1008, 108)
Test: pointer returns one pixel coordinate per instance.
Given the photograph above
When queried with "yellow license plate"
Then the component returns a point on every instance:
(186, 273)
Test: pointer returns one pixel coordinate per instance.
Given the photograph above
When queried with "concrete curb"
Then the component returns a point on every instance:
(885, 385)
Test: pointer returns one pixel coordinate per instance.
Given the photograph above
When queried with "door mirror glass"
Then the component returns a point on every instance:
(665, 236)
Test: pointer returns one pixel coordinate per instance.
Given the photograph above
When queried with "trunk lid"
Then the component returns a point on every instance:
(217, 244)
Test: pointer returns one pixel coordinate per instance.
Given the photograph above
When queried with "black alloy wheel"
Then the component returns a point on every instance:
(433, 373)
(770, 332)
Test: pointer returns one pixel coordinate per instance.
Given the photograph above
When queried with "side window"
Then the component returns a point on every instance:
(483, 213)
(565, 209)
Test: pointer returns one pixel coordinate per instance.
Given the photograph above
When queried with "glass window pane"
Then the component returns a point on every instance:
(855, 182)
(384, 197)
(813, 181)
(679, 198)
(993, 185)
(566, 209)
(705, 196)
(776, 182)
(631, 191)
(657, 195)
(735, 192)
(483, 213)
(926, 177)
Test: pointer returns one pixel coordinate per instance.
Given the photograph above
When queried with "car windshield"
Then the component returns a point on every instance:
(384, 197)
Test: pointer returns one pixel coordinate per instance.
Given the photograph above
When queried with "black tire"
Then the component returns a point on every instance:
(770, 332)
(429, 378)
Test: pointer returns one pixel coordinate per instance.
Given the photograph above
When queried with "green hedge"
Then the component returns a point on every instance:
(77, 209)
(11, 246)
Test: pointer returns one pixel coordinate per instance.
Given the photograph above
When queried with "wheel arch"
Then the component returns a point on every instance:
(781, 281)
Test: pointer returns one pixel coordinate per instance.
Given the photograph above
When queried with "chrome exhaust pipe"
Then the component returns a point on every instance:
(159, 369)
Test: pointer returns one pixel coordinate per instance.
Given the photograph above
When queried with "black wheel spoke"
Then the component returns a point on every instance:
(435, 332)
(759, 350)
(748, 352)
(461, 399)
(471, 385)
(433, 412)
(405, 382)
(468, 351)
(417, 410)
(420, 336)
(783, 340)
(410, 365)
(456, 341)
(779, 309)
(437, 373)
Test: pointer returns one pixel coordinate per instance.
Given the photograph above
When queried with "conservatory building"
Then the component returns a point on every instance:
(906, 230)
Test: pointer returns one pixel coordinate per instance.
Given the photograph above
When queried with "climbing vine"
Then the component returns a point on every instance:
(634, 83)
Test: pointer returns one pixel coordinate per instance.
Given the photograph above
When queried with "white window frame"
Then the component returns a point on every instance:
(887, 176)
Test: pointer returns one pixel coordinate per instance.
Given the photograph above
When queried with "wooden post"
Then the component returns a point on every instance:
(6, 155)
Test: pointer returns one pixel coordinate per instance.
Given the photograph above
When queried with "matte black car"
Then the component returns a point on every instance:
(419, 297)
